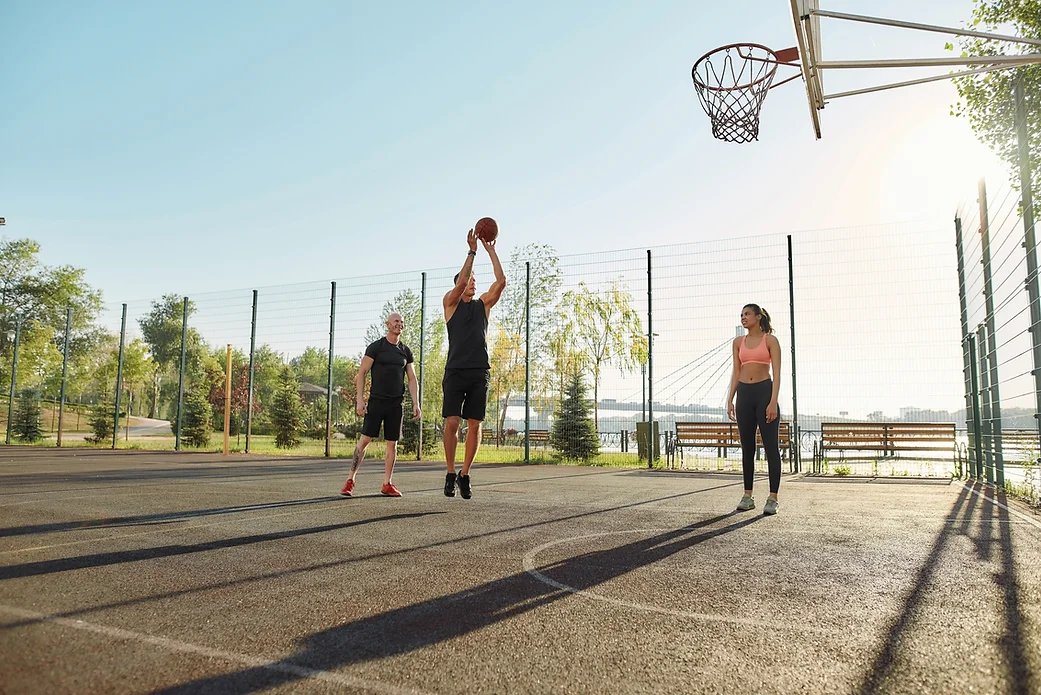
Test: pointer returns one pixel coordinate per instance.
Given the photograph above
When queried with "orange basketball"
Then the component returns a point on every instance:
(486, 229)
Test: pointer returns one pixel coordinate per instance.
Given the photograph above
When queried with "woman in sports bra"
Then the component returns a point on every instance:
(755, 354)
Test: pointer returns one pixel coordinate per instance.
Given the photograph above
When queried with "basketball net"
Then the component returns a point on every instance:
(732, 82)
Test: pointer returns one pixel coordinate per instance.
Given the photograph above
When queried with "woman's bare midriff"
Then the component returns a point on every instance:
(753, 373)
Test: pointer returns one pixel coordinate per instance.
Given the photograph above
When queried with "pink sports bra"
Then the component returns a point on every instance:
(760, 354)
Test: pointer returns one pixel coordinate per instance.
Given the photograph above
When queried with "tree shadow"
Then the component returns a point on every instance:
(983, 542)
(32, 569)
(407, 629)
(163, 518)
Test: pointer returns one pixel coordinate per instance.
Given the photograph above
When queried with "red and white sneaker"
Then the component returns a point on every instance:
(348, 488)
(388, 490)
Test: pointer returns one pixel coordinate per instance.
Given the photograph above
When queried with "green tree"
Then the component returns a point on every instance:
(161, 330)
(408, 304)
(987, 99)
(40, 295)
(574, 434)
(287, 410)
(37, 297)
(137, 369)
(101, 422)
(508, 350)
(196, 428)
(606, 329)
(26, 425)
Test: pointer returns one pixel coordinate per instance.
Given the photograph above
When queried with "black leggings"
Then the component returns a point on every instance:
(752, 400)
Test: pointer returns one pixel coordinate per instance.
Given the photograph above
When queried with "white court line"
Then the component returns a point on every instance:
(173, 645)
(1021, 515)
(164, 530)
(529, 567)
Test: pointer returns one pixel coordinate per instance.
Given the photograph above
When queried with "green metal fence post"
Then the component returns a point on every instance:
(252, 354)
(329, 378)
(527, 361)
(990, 348)
(970, 415)
(180, 378)
(422, 356)
(64, 372)
(796, 460)
(652, 438)
(985, 399)
(119, 378)
(974, 406)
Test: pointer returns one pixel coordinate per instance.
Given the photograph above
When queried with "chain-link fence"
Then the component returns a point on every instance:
(1001, 343)
(866, 318)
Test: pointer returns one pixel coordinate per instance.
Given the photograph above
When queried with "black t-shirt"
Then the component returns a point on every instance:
(388, 368)
(468, 337)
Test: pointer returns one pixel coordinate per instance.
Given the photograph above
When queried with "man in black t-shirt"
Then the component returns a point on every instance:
(390, 361)
(467, 371)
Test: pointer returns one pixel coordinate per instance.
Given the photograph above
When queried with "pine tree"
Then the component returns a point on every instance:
(574, 433)
(26, 425)
(286, 410)
(198, 412)
(101, 422)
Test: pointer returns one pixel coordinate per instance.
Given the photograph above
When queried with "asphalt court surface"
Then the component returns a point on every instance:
(162, 572)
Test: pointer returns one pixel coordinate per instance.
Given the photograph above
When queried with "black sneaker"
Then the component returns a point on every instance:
(464, 486)
(450, 485)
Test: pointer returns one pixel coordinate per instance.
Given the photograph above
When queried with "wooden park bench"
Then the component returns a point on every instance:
(721, 436)
(1019, 444)
(920, 441)
(537, 438)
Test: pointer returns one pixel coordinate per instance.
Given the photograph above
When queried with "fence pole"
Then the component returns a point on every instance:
(1030, 243)
(422, 356)
(970, 415)
(180, 377)
(652, 438)
(797, 458)
(14, 377)
(527, 361)
(988, 416)
(977, 427)
(329, 379)
(249, 390)
(119, 380)
(64, 372)
(227, 401)
(990, 350)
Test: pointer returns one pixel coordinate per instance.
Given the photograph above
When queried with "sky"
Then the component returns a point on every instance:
(197, 147)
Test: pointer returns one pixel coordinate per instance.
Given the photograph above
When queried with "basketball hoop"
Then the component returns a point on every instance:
(732, 82)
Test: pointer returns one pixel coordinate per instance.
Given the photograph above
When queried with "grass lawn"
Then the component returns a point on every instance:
(344, 448)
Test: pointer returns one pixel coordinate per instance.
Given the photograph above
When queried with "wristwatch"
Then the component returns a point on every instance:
(471, 253)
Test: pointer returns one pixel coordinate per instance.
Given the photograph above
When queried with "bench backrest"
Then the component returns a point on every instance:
(722, 434)
(888, 436)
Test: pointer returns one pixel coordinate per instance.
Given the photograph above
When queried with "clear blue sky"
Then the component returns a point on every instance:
(198, 146)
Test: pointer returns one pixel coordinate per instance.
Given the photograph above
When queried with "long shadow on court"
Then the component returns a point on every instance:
(983, 540)
(32, 569)
(164, 518)
(193, 472)
(400, 552)
(407, 629)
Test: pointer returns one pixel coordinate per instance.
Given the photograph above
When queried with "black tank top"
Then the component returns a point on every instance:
(467, 337)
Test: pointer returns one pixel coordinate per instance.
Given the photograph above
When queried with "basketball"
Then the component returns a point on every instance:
(486, 229)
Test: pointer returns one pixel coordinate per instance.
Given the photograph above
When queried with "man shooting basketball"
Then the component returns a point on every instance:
(467, 371)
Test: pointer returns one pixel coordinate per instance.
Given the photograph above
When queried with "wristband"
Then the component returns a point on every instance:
(471, 253)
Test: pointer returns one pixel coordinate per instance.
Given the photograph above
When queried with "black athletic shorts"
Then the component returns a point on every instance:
(466, 393)
(385, 412)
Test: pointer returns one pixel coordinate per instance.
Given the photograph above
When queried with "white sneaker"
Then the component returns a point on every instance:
(771, 506)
